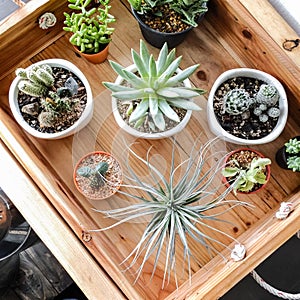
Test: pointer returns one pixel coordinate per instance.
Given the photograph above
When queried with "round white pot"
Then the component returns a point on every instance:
(79, 124)
(216, 128)
(158, 135)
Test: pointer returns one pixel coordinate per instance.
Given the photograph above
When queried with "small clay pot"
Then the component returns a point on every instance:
(112, 178)
(268, 170)
(96, 58)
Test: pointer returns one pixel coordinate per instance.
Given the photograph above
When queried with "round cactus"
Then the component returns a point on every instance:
(237, 101)
(267, 95)
(273, 112)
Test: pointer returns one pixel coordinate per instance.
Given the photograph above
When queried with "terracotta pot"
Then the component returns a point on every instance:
(268, 169)
(157, 38)
(96, 58)
(113, 176)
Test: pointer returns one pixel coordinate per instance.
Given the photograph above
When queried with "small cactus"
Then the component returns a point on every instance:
(32, 89)
(46, 119)
(293, 163)
(267, 95)
(237, 101)
(96, 175)
(273, 112)
(35, 80)
(293, 146)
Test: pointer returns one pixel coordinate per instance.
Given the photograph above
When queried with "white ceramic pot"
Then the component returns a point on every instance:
(158, 135)
(216, 128)
(79, 124)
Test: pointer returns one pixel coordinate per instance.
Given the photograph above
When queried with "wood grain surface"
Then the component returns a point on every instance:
(228, 37)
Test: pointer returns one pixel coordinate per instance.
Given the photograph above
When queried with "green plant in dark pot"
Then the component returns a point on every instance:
(288, 156)
(167, 21)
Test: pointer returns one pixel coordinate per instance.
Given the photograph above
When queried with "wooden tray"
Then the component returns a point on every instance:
(228, 37)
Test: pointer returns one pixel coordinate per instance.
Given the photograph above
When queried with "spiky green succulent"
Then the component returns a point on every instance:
(181, 204)
(156, 86)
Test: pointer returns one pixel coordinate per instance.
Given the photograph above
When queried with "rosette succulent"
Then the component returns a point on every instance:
(155, 88)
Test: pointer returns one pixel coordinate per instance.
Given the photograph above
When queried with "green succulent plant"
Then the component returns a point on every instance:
(90, 27)
(293, 163)
(180, 204)
(246, 178)
(188, 9)
(155, 86)
(292, 146)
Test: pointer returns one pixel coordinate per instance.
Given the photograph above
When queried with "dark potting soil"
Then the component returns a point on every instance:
(63, 120)
(246, 125)
(169, 21)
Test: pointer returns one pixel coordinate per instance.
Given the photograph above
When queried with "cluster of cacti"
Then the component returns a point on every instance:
(237, 101)
(292, 146)
(155, 87)
(38, 81)
(293, 163)
(35, 81)
(90, 28)
(96, 175)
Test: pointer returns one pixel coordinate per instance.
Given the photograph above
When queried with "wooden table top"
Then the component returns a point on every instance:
(41, 170)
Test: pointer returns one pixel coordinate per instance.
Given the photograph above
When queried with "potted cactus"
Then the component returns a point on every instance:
(153, 99)
(97, 175)
(288, 156)
(247, 106)
(90, 29)
(167, 21)
(247, 170)
(51, 99)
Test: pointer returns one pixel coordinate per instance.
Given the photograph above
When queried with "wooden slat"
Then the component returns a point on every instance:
(56, 234)
(229, 37)
(21, 36)
(266, 236)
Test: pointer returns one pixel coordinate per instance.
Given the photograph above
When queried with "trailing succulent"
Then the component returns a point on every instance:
(155, 87)
(38, 81)
(238, 101)
(188, 9)
(90, 27)
(96, 175)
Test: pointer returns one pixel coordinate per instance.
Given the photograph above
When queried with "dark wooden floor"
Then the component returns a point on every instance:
(40, 276)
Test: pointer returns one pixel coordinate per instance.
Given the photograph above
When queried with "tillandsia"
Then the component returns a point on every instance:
(156, 86)
(90, 27)
(178, 207)
(189, 10)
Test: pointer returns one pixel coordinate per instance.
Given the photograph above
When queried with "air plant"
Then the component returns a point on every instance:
(180, 206)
